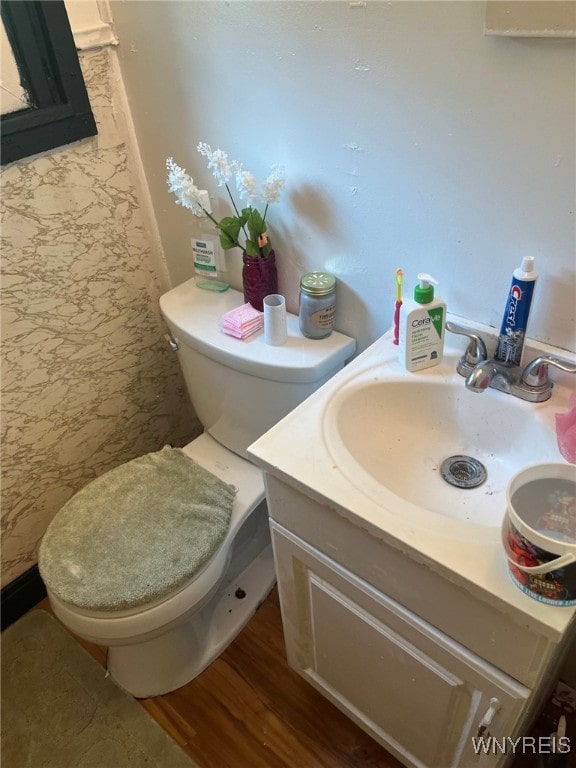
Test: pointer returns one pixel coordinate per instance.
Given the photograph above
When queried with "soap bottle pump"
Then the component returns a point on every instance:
(422, 327)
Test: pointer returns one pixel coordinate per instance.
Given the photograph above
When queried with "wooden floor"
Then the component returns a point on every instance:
(250, 710)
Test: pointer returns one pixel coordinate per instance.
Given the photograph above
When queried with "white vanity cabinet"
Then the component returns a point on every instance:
(396, 599)
(387, 642)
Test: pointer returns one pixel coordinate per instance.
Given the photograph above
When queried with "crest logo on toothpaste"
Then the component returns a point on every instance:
(513, 307)
(516, 292)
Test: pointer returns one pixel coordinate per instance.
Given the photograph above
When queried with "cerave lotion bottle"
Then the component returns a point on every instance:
(421, 342)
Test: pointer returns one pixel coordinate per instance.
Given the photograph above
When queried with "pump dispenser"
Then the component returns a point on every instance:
(421, 343)
(424, 293)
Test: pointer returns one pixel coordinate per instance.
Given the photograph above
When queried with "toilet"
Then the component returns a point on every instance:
(239, 390)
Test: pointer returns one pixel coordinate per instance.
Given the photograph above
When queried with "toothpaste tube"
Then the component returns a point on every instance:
(515, 320)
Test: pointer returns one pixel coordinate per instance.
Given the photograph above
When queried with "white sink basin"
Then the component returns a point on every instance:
(390, 436)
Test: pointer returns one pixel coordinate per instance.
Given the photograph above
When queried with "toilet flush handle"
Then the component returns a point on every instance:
(172, 342)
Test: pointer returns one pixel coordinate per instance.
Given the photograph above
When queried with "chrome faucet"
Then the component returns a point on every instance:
(491, 373)
(531, 384)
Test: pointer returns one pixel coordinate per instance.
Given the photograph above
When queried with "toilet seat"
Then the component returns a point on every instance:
(150, 620)
(136, 533)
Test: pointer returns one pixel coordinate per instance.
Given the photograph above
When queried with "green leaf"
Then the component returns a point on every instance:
(229, 227)
(252, 249)
(256, 224)
(226, 242)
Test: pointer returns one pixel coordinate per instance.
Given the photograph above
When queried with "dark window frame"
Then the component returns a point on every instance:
(59, 112)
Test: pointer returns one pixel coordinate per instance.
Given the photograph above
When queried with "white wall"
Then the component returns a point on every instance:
(409, 139)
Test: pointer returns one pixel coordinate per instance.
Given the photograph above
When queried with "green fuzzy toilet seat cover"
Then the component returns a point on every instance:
(136, 533)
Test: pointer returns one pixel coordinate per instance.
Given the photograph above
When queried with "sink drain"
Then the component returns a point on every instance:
(463, 471)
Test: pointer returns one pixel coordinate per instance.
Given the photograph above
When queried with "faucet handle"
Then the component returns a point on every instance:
(536, 373)
(476, 351)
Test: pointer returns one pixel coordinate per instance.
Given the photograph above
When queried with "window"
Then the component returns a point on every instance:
(58, 110)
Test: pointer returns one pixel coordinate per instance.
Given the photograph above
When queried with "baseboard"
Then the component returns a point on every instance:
(20, 595)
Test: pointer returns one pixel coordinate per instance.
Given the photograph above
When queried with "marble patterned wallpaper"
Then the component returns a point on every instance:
(88, 380)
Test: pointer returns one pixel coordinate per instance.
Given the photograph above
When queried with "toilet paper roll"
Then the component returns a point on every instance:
(275, 332)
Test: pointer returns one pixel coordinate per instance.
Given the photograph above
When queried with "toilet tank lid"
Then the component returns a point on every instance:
(194, 314)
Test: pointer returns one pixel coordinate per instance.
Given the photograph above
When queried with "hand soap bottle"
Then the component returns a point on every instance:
(422, 327)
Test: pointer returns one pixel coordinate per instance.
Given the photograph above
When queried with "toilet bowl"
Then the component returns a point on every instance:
(239, 389)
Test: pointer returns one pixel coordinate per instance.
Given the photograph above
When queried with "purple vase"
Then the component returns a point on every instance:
(259, 278)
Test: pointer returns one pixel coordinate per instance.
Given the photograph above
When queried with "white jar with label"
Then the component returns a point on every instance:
(317, 304)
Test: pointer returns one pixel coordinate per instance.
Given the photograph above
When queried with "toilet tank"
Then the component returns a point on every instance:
(239, 389)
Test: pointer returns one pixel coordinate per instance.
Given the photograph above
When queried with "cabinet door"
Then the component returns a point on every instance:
(415, 690)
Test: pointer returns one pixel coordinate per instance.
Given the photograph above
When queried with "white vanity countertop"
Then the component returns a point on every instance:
(296, 452)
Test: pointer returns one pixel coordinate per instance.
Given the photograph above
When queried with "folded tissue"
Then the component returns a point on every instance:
(566, 431)
(242, 321)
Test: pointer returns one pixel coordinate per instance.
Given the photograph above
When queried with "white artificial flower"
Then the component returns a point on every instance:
(247, 188)
(182, 185)
(273, 185)
(246, 229)
(222, 169)
(204, 149)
